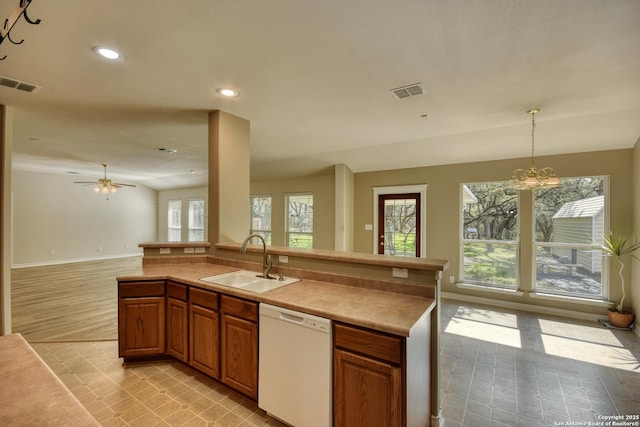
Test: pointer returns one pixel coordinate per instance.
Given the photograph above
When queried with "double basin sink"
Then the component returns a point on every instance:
(249, 281)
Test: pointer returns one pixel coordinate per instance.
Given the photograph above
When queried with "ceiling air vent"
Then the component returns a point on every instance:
(17, 84)
(408, 91)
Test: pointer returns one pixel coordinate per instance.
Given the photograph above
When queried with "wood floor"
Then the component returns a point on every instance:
(68, 302)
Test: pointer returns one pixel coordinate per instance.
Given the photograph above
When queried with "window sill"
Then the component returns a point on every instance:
(485, 288)
(570, 299)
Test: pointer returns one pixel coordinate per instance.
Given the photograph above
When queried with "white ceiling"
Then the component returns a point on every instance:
(314, 80)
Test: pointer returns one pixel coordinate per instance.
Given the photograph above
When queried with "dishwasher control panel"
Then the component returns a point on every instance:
(314, 324)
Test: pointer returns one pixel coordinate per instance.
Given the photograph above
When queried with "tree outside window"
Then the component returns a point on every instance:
(174, 220)
(196, 220)
(300, 220)
(490, 234)
(261, 217)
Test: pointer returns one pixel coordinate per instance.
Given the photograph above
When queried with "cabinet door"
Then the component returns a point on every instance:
(204, 340)
(177, 331)
(141, 326)
(367, 393)
(240, 355)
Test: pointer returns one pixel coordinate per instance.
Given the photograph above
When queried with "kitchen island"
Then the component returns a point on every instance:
(382, 326)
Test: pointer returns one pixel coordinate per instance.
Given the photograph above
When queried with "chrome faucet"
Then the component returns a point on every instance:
(266, 258)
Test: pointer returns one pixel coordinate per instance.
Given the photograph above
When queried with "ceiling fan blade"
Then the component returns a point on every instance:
(119, 184)
(85, 182)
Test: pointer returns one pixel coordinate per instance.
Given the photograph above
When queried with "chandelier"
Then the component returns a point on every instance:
(21, 11)
(532, 178)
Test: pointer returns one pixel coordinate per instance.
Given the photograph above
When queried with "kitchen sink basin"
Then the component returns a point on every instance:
(249, 281)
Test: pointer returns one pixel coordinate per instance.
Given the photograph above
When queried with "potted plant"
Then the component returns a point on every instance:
(615, 245)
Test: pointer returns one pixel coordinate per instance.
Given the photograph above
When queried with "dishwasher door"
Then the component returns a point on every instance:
(295, 375)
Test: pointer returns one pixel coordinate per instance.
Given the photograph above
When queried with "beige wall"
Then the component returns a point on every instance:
(344, 208)
(229, 168)
(323, 189)
(56, 220)
(635, 269)
(443, 206)
(6, 140)
(183, 194)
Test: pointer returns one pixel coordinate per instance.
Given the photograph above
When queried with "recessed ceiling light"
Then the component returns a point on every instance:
(229, 93)
(109, 54)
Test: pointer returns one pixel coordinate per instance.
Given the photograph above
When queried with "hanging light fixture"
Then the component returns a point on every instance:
(105, 185)
(532, 178)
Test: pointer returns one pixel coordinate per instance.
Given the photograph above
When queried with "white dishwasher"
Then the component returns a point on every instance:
(294, 375)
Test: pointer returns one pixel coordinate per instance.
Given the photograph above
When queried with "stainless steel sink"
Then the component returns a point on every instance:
(248, 281)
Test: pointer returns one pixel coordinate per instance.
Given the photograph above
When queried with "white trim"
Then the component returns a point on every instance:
(569, 299)
(486, 288)
(72, 260)
(419, 188)
(522, 307)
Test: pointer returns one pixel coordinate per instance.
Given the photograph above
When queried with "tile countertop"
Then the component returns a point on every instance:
(390, 312)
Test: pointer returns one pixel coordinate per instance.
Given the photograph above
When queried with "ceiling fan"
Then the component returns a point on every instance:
(105, 185)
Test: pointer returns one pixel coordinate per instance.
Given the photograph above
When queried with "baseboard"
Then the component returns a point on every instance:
(73, 260)
(539, 309)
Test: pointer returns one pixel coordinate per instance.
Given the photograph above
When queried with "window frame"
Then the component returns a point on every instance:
(517, 243)
(204, 219)
(174, 228)
(287, 230)
(265, 233)
(605, 272)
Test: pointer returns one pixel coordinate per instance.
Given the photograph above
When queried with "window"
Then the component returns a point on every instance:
(570, 224)
(174, 221)
(490, 235)
(261, 217)
(299, 221)
(196, 220)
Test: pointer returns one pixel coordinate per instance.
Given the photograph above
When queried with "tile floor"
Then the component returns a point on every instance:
(498, 368)
(507, 368)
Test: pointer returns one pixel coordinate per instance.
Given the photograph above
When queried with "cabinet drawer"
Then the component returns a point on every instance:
(243, 309)
(141, 289)
(206, 299)
(375, 344)
(177, 291)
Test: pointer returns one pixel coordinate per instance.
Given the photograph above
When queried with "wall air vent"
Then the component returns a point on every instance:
(17, 84)
(407, 91)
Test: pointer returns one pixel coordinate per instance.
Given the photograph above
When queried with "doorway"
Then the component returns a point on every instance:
(399, 220)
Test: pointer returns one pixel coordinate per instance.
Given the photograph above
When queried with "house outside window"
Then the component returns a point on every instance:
(196, 220)
(261, 217)
(174, 220)
(299, 222)
(570, 222)
(490, 238)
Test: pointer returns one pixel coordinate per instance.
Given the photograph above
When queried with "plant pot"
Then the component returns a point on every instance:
(620, 320)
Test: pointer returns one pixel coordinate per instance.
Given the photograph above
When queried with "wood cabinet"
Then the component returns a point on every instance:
(177, 321)
(204, 335)
(141, 319)
(367, 378)
(381, 379)
(239, 345)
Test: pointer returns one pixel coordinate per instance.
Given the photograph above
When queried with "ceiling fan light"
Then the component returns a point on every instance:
(96, 189)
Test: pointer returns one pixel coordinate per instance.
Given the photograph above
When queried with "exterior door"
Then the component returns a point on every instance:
(399, 224)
